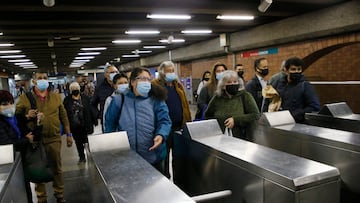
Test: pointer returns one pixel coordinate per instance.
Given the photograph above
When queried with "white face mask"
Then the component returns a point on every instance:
(9, 111)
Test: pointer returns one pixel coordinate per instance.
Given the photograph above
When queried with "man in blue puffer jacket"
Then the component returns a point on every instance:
(144, 115)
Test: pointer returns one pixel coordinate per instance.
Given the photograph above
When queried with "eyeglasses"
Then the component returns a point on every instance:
(145, 79)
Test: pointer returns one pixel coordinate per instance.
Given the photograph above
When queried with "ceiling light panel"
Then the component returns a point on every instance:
(234, 17)
(19, 60)
(141, 51)
(169, 17)
(172, 41)
(84, 57)
(93, 49)
(130, 56)
(10, 51)
(88, 53)
(154, 47)
(142, 32)
(12, 56)
(125, 41)
(6, 45)
(196, 31)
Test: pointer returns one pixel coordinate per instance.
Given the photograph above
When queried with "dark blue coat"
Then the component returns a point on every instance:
(255, 89)
(298, 97)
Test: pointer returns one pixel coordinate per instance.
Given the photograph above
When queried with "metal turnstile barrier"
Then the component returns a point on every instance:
(126, 176)
(207, 161)
(337, 148)
(336, 116)
(12, 182)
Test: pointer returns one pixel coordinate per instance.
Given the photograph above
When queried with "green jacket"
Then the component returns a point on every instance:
(54, 113)
(223, 107)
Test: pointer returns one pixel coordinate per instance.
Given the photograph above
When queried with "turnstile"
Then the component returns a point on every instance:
(338, 148)
(12, 184)
(207, 161)
(126, 176)
(336, 116)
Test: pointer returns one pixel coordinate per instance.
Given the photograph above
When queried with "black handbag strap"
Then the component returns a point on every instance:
(31, 100)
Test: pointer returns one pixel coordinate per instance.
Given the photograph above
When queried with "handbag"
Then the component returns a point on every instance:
(37, 166)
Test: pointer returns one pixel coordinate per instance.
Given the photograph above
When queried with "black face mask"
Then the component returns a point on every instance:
(82, 88)
(263, 72)
(240, 73)
(206, 79)
(295, 77)
(75, 92)
(232, 89)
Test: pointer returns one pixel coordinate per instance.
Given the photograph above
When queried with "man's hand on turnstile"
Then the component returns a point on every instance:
(157, 142)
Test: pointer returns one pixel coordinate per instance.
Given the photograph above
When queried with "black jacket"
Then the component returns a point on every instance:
(102, 91)
(255, 89)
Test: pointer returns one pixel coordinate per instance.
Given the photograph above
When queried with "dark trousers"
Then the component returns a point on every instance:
(160, 166)
(80, 140)
(169, 145)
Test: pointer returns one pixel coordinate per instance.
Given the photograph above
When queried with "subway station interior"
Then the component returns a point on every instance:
(281, 160)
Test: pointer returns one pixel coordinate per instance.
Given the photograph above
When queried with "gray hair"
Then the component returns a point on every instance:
(226, 76)
(107, 67)
(165, 64)
(74, 86)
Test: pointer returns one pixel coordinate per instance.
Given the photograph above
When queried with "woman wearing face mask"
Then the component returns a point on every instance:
(120, 84)
(297, 95)
(208, 91)
(81, 121)
(10, 133)
(232, 105)
(145, 116)
(205, 79)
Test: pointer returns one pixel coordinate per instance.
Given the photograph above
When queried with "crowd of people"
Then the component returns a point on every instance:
(149, 109)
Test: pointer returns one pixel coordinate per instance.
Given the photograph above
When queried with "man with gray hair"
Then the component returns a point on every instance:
(274, 80)
(176, 101)
(102, 91)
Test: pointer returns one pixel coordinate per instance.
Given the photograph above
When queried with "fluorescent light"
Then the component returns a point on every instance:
(12, 56)
(141, 52)
(24, 63)
(1, 33)
(171, 41)
(154, 47)
(169, 17)
(234, 17)
(84, 57)
(88, 53)
(130, 56)
(81, 60)
(10, 51)
(6, 45)
(126, 41)
(19, 60)
(29, 67)
(142, 32)
(93, 49)
(196, 31)
(264, 5)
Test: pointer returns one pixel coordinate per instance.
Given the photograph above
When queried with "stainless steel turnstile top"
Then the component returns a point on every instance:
(291, 171)
(340, 138)
(130, 178)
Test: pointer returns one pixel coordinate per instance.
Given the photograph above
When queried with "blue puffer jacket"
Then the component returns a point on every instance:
(143, 119)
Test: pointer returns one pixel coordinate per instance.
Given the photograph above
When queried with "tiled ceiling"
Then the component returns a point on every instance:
(75, 24)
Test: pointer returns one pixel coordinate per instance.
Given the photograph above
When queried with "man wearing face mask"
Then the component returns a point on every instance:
(81, 120)
(255, 85)
(102, 91)
(50, 106)
(239, 68)
(232, 106)
(298, 96)
(176, 101)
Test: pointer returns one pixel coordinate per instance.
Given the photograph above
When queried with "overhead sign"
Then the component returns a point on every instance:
(259, 53)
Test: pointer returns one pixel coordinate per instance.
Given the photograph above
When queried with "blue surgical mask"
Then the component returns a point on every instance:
(169, 77)
(121, 88)
(8, 112)
(143, 88)
(219, 76)
(112, 75)
(42, 85)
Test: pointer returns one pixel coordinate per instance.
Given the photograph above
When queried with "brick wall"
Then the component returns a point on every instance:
(339, 64)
